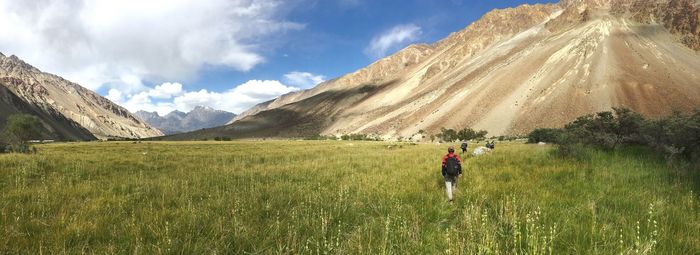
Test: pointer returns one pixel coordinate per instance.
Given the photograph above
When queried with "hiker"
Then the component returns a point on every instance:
(464, 146)
(491, 145)
(451, 170)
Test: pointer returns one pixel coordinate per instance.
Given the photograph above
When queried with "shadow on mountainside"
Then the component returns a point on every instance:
(53, 124)
(304, 118)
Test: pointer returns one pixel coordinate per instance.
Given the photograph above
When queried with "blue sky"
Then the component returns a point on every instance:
(163, 55)
(336, 35)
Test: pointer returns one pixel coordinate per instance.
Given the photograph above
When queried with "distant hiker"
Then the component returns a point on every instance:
(464, 146)
(451, 170)
(491, 145)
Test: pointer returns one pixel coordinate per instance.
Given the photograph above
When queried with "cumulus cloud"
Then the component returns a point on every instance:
(303, 79)
(123, 43)
(115, 95)
(236, 100)
(166, 90)
(392, 39)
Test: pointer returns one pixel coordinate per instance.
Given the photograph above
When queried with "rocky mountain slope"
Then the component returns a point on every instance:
(51, 95)
(54, 126)
(178, 122)
(509, 72)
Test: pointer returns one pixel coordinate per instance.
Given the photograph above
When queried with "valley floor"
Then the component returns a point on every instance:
(317, 197)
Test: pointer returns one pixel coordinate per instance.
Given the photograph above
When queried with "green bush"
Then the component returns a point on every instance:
(21, 128)
(676, 135)
(546, 135)
(358, 137)
(319, 137)
(607, 130)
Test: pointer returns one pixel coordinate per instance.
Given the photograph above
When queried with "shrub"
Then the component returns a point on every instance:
(676, 135)
(546, 135)
(21, 128)
(358, 137)
(606, 130)
(319, 137)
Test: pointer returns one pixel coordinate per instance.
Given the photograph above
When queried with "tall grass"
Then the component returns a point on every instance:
(330, 197)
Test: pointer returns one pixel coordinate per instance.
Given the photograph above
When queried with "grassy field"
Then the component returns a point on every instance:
(333, 197)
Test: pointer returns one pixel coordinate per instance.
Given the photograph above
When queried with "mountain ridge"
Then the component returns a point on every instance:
(54, 126)
(56, 95)
(178, 122)
(509, 72)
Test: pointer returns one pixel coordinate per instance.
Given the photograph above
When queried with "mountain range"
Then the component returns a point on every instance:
(67, 111)
(178, 122)
(509, 72)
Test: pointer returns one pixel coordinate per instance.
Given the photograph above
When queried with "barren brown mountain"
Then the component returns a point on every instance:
(509, 72)
(66, 109)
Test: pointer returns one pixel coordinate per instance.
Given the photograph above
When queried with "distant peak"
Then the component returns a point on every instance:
(202, 107)
(14, 60)
(146, 112)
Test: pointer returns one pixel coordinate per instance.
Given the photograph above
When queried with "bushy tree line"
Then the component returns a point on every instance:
(358, 137)
(506, 138)
(450, 135)
(676, 135)
(319, 137)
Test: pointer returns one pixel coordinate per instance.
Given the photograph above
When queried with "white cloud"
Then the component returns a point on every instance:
(393, 38)
(303, 79)
(166, 90)
(95, 42)
(235, 100)
(115, 95)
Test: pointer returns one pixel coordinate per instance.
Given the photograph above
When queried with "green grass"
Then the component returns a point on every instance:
(340, 197)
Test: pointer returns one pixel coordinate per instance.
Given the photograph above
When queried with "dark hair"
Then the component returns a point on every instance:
(451, 149)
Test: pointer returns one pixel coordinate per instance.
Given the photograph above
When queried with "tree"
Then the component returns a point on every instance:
(470, 134)
(20, 129)
(466, 134)
(481, 134)
(448, 135)
(546, 135)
